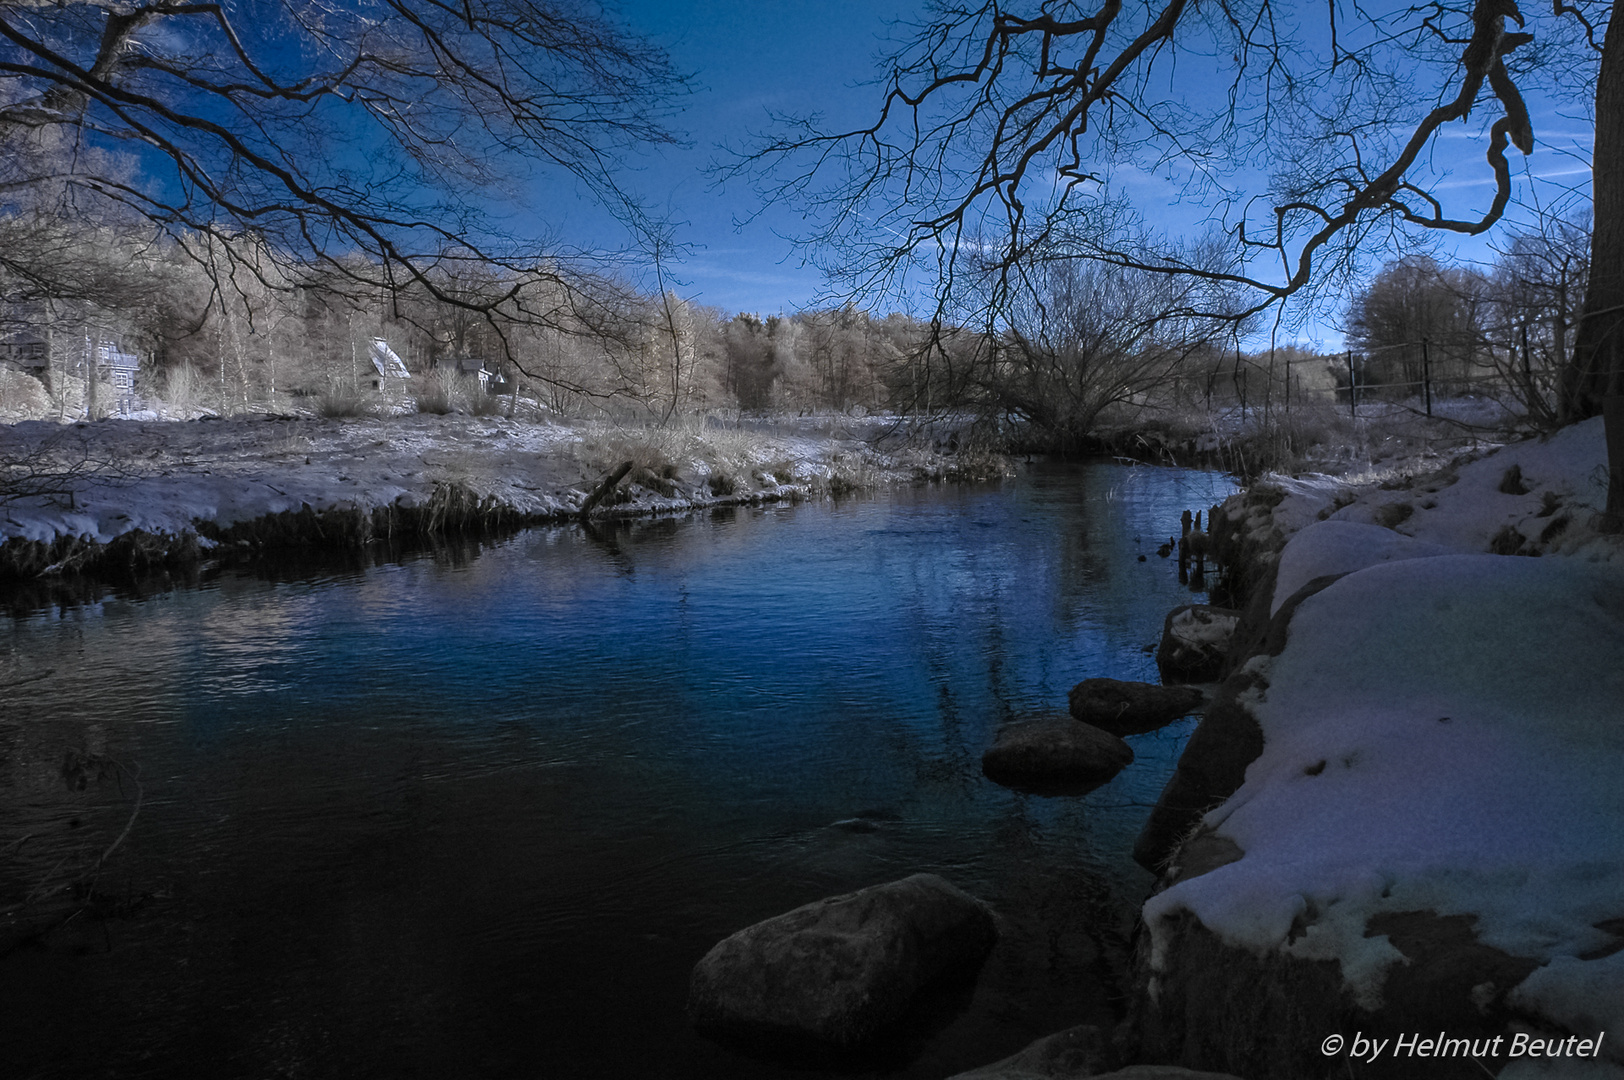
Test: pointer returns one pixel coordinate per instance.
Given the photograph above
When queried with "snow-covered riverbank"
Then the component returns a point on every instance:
(185, 485)
(1432, 837)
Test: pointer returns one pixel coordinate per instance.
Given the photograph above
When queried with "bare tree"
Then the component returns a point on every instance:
(1005, 125)
(1418, 319)
(1536, 297)
(1078, 338)
(355, 141)
(1019, 117)
(1594, 380)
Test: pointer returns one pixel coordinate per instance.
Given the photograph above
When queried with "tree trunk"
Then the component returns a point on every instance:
(1596, 372)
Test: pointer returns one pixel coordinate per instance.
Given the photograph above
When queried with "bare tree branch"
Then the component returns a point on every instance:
(1004, 126)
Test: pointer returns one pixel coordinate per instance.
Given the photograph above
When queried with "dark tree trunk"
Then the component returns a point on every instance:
(1596, 372)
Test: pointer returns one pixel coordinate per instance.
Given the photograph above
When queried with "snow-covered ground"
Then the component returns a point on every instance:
(1443, 732)
(166, 477)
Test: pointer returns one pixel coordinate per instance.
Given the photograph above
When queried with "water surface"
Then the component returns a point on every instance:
(478, 812)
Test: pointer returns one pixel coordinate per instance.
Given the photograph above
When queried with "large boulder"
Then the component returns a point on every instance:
(1074, 1054)
(1195, 640)
(1163, 1072)
(1054, 756)
(843, 969)
(1079, 1053)
(1131, 708)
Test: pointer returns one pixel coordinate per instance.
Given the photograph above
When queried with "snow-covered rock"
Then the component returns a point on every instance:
(1440, 738)
(1195, 641)
(1341, 547)
(1400, 812)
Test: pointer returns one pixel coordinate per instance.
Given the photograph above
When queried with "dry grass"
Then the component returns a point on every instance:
(662, 457)
(435, 392)
(345, 403)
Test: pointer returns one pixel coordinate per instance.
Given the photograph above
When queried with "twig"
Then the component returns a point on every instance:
(135, 779)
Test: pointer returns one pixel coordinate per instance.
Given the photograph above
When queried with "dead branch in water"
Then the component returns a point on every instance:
(603, 489)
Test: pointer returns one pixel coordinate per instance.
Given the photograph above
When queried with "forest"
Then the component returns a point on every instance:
(1093, 349)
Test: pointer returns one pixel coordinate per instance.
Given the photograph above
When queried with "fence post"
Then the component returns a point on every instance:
(1426, 372)
(1184, 548)
(1534, 397)
(1353, 390)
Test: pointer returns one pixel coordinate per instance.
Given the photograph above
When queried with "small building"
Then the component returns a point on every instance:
(26, 352)
(78, 348)
(472, 367)
(116, 367)
(387, 363)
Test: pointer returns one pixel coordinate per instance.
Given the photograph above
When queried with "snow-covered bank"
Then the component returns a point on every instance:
(1432, 836)
(183, 486)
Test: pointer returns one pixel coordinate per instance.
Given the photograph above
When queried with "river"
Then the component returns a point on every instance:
(477, 812)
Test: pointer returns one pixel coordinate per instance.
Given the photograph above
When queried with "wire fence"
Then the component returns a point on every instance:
(1352, 382)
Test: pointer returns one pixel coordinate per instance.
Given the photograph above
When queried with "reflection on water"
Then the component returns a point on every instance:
(478, 812)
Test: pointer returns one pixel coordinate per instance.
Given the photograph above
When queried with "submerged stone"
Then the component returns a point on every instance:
(1130, 708)
(1054, 756)
(1074, 1054)
(842, 970)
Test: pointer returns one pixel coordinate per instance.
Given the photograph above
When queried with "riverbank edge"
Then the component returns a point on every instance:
(206, 502)
(1198, 1000)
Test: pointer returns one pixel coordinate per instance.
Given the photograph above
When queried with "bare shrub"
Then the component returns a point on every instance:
(435, 392)
(22, 397)
(183, 385)
(481, 403)
(342, 403)
(58, 463)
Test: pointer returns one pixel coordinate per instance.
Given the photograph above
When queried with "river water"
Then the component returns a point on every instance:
(477, 812)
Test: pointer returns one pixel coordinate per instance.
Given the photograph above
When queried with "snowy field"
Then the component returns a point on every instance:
(165, 478)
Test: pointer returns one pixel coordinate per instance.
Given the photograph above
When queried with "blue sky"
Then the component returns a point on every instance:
(749, 60)
(800, 56)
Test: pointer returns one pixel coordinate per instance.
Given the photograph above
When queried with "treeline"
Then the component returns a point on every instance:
(241, 331)
(1076, 347)
(1503, 331)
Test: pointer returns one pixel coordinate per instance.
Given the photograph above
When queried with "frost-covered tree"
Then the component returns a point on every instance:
(354, 142)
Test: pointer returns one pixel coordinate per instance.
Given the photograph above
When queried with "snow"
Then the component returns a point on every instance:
(1442, 732)
(1461, 507)
(1427, 747)
(1341, 547)
(1206, 629)
(165, 477)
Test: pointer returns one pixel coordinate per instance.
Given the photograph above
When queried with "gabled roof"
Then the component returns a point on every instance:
(384, 359)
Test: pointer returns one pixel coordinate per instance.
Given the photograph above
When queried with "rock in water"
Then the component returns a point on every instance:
(1054, 756)
(1130, 708)
(1073, 1054)
(1195, 640)
(1163, 1072)
(843, 969)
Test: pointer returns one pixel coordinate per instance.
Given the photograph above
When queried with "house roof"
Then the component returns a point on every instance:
(384, 359)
